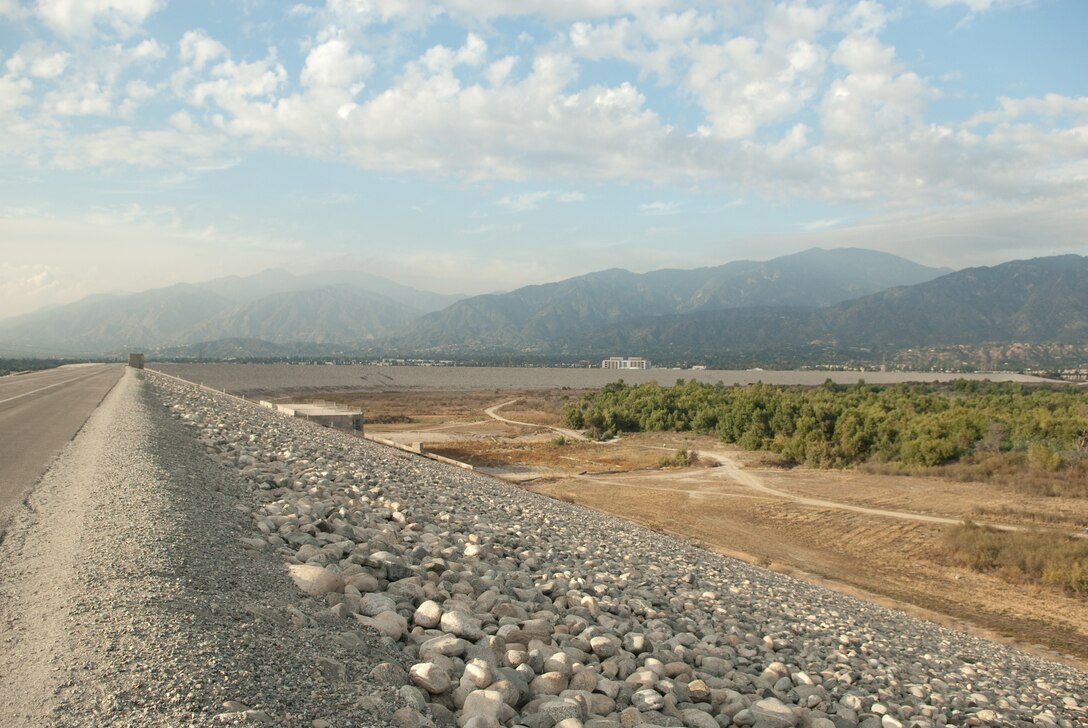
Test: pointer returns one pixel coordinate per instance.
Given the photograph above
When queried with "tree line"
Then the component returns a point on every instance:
(836, 425)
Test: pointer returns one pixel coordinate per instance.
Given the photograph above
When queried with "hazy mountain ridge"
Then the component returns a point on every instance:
(331, 315)
(275, 313)
(534, 316)
(339, 306)
(1032, 301)
(107, 322)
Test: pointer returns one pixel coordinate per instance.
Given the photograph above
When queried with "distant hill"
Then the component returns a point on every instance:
(537, 316)
(219, 349)
(108, 323)
(273, 305)
(332, 315)
(244, 289)
(242, 348)
(808, 305)
(1029, 301)
(1038, 300)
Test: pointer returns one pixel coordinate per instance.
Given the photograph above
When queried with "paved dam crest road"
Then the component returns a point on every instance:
(39, 414)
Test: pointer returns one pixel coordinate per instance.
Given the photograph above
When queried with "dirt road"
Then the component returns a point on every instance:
(493, 413)
(729, 468)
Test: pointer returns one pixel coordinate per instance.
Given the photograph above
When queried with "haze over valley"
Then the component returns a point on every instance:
(811, 307)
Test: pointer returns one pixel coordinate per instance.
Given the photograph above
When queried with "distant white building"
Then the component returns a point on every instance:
(620, 362)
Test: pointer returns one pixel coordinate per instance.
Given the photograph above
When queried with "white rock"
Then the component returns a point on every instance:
(697, 719)
(315, 580)
(773, 713)
(646, 700)
(461, 624)
(430, 677)
(482, 703)
(428, 614)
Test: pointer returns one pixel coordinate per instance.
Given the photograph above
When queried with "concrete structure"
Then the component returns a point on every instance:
(325, 414)
(619, 362)
(136, 361)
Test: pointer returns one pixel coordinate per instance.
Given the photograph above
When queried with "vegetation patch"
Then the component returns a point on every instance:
(1042, 429)
(680, 459)
(1036, 556)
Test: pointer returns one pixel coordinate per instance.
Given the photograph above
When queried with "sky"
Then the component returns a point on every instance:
(480, 145)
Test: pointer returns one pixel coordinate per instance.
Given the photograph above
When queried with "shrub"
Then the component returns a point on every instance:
(680, 459)
(1037, 556)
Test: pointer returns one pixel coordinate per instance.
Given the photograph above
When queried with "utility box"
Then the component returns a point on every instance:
(136, 361)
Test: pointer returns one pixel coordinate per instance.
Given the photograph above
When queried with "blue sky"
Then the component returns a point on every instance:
(480, 145)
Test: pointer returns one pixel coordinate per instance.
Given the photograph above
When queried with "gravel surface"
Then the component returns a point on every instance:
(151, 584)
(128, 599)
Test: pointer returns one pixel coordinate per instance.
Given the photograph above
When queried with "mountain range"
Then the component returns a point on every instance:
(1040, 300)
(538, 316)
(336, 307)
(814, 301)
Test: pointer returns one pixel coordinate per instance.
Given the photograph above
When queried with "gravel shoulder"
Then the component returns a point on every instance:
(127, 599)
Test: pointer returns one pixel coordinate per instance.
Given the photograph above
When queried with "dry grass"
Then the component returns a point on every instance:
(1034, 556)
(682, 458)
(1015, 471)
(568, 457)
(1011, 514)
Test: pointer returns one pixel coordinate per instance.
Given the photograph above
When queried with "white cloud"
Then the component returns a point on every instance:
(978, 6)
(182, 121)
(659, 207)
(866, 16)
(14, 93)
(532, 200)
(198, 49)
(334, 64)
(21, 281)
(146, 51)
(982, 234)
(83, 17)
(87, 84)
(500, 70)
(420, 13)
(233, 84)
(794, 98)
(489, 229)
(122, 145)
(124, 249)
(442, 60)
(37, 61)
(1050, 105)
(823, 224)
(744, 84)
(13, 10)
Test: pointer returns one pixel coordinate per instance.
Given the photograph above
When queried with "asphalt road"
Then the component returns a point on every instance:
(39, 414)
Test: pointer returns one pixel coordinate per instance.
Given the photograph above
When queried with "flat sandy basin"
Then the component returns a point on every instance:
(270, 378)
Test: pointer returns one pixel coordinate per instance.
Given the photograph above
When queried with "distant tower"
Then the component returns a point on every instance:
(136, 361)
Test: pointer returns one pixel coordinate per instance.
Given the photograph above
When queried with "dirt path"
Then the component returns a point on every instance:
(729, 468)
(493, 413)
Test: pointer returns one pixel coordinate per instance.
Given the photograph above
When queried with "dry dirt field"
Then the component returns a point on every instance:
(259, 379)
(876, 536)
